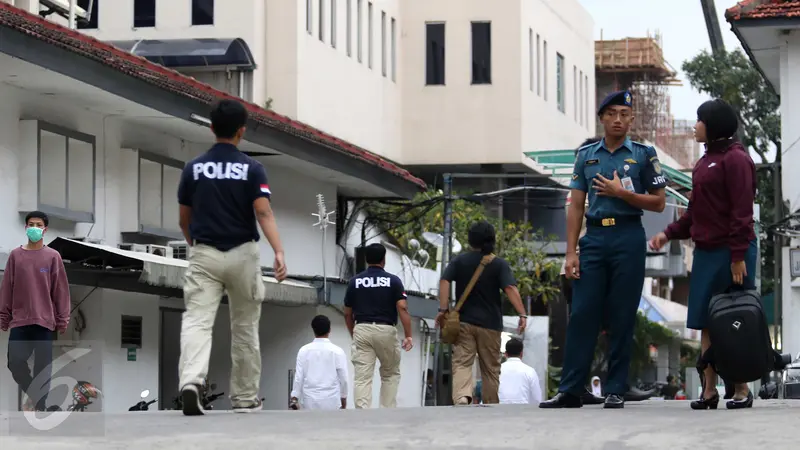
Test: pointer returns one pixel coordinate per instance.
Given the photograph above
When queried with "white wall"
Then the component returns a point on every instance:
(495, 123)
(790, 165)
(237, 19)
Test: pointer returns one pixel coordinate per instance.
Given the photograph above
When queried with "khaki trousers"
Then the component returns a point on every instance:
(371, 342)
(211, 273)
(485, 343)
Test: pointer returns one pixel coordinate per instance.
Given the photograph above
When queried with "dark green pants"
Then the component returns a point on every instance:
(612, 261)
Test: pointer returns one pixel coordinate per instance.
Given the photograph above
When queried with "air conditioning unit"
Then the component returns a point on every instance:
(160, 250)
(61, 7)
(180, 249)
(133, 247)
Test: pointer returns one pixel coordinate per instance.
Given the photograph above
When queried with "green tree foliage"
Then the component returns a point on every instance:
(732, 77)
(522, 247)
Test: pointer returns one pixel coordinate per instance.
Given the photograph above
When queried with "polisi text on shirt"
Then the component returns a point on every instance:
(221, 171)
(373, 282)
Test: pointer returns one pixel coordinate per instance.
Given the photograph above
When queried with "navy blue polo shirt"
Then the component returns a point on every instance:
(634, 160)
(373, 295)
(220, 186)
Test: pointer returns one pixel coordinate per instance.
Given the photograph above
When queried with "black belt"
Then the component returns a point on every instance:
(374, 322)
(613, 221)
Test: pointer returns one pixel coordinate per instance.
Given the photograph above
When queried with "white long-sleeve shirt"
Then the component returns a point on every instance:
(320, 378)
(519, 383)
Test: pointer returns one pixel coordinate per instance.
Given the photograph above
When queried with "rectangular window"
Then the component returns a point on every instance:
(349, 27)
(560, 94)
(360, 29)
(530, 58)
(309, 17)
(144, 13)
(538, 66)
(370, 32)
(202, 12)
(586, 100)
(159, 177)
(434, 53)
(580, 113)
(333, 23)
(575, 92)
(394, 49)
(321, 13)
(544, 70)
(481, 53)
(383, 43)
(91, 24)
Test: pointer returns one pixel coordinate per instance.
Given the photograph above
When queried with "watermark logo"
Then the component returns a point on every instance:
(56, 385)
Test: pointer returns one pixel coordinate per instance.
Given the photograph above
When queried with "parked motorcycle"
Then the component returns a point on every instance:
(82, 394)
(143, 405)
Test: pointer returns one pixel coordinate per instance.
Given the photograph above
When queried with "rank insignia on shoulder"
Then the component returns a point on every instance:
(590, 162)
(574, 176)
(657, 167)
(654, 158)
(630, 160)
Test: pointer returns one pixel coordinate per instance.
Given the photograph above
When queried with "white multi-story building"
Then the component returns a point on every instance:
(96, 138)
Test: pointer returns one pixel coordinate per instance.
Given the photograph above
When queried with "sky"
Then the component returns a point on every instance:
(683, 33)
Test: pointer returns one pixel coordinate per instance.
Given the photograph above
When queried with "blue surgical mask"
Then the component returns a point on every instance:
(34, 233)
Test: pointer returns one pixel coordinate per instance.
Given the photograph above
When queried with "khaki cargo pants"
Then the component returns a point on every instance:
(371, 342)
(210, 274)
(485, 343)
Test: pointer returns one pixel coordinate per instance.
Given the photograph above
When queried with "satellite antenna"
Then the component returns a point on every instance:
(323, 220)
(437, 240)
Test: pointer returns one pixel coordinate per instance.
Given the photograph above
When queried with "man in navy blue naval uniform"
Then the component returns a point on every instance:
(621, 178)
(373, 301)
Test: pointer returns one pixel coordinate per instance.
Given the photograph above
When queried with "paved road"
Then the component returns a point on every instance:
(647, 425)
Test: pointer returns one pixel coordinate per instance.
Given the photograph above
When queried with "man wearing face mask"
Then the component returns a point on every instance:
(34, 302)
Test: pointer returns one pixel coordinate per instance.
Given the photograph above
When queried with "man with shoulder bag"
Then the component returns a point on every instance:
(475, 324)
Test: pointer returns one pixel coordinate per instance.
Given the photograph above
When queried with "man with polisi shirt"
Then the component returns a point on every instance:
(373, 301)
(223, 193)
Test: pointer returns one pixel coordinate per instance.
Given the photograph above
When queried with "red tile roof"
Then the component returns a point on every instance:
(764, 9)
(172, 81)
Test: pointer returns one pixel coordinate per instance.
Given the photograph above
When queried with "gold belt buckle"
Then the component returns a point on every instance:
(610, 222)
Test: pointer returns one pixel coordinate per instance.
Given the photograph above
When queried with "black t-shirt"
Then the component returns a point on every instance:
(373, 295)
(482, 307)
(220, 186)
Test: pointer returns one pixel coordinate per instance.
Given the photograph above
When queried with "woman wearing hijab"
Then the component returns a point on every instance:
(597, 390)
(719, 220)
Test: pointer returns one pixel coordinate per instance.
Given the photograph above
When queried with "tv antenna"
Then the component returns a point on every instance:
(437, 240)
(323, 220)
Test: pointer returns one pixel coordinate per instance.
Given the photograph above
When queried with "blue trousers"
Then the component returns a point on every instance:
(23, 342)
(612, 261)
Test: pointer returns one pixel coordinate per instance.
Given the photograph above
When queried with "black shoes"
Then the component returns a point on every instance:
(562, 400)
(191, 400)
(638, 395)
(614, 401)
(587, 398)
(746, 402)
(706, 403)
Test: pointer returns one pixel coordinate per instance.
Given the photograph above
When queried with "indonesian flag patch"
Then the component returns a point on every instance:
(404, 295)
(265, 189)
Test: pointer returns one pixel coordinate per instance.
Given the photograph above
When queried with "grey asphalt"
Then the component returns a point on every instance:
(646, 425)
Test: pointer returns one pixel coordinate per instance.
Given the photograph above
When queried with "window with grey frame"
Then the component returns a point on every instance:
(530, 59)
(538, 66)
(92, 23)
(544, 69)
(238, 83)
(575, 92)
(370, 33)
(560, 91)
(333, 23)
(384, 59)
(65, 189)
(159, 177)
(481, 53)
(144, 13)
(321, 15)
(309, 17)
(582, 106)
(202, 12)
(434, 53)
(586, 100)
(349, 26)
(394, 49)
(360, 29)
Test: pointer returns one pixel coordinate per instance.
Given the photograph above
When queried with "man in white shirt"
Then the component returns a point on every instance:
(519, 383)
(320, 378)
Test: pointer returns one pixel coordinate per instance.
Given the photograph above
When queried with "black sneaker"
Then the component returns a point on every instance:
(614, 401)
(191, 400)
(255, 405)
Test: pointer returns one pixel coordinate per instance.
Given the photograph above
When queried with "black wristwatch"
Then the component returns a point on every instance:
(443, 310)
